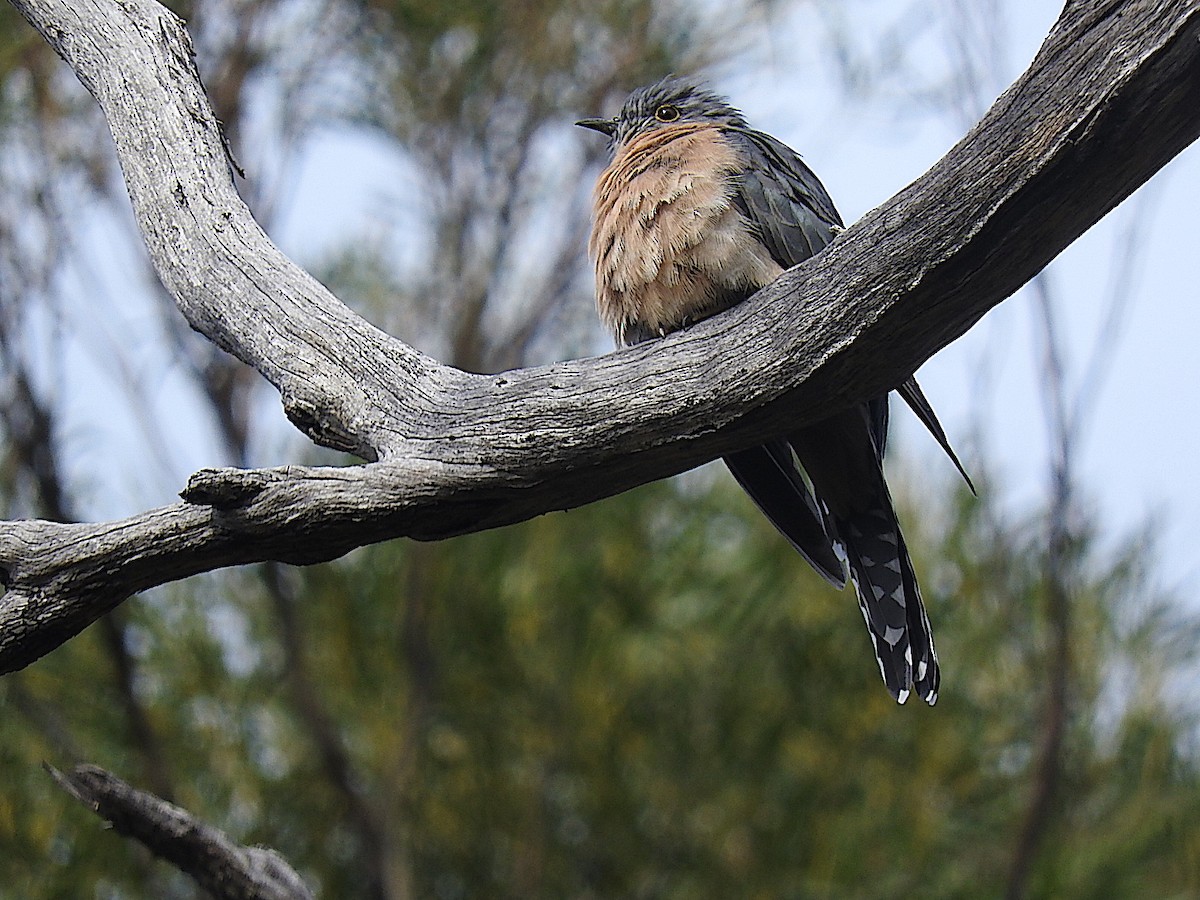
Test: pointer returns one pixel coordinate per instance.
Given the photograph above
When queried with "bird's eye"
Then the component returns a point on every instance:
(666, 113)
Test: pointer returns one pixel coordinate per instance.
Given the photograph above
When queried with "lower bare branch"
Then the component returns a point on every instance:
(59, 578)
(226, 870)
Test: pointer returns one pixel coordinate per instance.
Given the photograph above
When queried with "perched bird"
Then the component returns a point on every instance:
(695, 212)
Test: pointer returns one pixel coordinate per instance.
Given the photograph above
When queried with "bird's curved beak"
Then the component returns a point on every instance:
(606, 127)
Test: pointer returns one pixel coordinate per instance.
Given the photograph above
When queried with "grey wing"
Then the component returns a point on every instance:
(795, 218)
(915, 398)
(783, 199)
(769, 475)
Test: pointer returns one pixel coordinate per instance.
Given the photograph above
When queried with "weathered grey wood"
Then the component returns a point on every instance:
(1111, 97)
(224, 869)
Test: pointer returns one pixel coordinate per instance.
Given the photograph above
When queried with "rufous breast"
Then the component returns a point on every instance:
(669, 245)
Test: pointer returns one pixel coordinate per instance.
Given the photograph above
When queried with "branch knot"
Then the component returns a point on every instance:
(225, 488)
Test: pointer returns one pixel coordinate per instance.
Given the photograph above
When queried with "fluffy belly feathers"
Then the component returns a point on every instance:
(669, 245)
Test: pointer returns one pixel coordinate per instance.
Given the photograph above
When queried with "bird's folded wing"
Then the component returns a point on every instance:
(770, 476)
(915, 398)
(783, 199)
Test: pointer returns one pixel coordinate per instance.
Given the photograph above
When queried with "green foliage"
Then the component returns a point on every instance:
(648, 697)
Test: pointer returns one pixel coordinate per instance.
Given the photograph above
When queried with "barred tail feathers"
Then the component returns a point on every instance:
(891, 603)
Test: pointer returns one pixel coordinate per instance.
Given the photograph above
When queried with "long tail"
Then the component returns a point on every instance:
(842, 456)
(890, 601)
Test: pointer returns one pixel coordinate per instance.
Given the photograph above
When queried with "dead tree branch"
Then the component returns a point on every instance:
(224, 869)
(1112, 96)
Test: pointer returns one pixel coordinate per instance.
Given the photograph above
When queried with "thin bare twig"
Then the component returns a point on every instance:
(1059, 579)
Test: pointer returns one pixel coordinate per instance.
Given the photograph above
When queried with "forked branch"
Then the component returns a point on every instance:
(1112, 96)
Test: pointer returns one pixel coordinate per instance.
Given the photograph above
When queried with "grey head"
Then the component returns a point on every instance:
(663, 103)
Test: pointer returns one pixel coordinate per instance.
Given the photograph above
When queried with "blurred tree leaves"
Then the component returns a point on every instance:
(651, 697)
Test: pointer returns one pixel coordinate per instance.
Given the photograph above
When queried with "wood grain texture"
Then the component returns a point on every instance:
(1112, 96)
